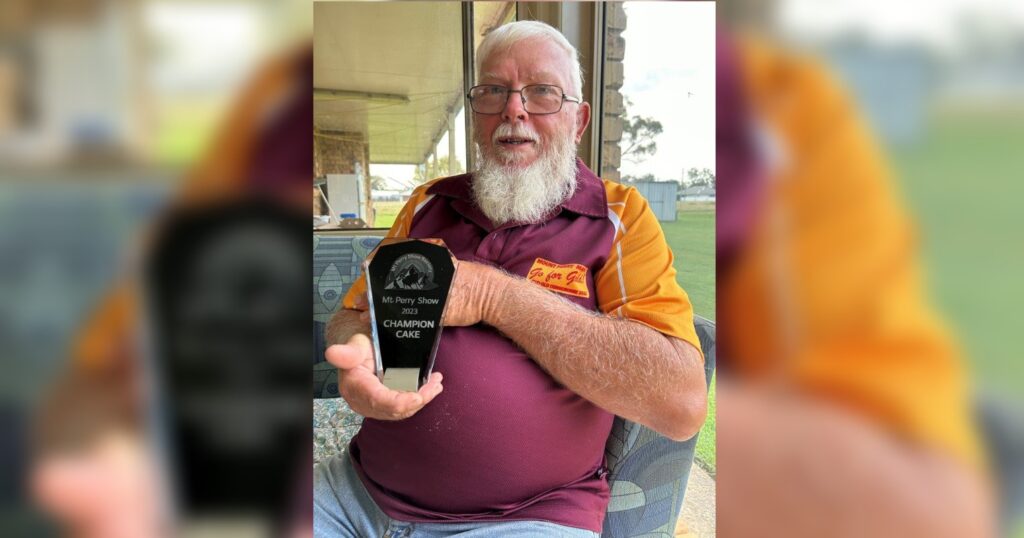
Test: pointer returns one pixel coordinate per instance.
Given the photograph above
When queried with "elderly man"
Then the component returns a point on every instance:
(564, 312)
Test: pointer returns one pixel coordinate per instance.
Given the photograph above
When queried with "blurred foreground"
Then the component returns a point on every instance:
(842, 123)
(155, 190)
(887, 148)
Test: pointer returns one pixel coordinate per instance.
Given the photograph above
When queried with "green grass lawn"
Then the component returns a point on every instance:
(185, 129)
(705, 454)
(963, 182)
(386, 213)
(692, 239)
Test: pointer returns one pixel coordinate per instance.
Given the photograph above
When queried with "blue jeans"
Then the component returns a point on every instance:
(343, 508)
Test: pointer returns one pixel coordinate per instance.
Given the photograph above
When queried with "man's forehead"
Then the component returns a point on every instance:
(543, 75)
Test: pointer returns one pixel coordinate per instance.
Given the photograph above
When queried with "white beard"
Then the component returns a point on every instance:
(506, 193)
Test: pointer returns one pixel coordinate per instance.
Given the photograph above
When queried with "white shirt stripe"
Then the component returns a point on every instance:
(618, 265)
(420, 205)
(616, 221)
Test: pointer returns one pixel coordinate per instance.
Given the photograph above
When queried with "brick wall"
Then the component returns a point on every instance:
(615, 51)
(337, 152)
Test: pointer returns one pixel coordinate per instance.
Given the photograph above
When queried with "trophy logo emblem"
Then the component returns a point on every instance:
(411, 272)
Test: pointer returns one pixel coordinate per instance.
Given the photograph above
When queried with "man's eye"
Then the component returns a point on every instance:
(494, 90)
(543, 90)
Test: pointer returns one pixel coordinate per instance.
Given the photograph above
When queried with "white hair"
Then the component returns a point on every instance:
(506, 192)
(505, 36)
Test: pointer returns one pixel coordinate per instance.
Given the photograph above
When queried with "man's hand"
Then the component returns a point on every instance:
(106, 490)
(364, 392)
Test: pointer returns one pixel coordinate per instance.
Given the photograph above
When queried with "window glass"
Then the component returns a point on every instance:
(486, 17)
(490, 15)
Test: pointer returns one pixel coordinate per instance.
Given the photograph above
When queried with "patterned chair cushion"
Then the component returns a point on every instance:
(336, 265)
(648, 472)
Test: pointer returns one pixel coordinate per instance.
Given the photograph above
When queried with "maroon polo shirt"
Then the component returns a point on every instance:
(504, 441)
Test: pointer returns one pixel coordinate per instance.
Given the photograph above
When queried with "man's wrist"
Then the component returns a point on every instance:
(500, 287)
(486, 285)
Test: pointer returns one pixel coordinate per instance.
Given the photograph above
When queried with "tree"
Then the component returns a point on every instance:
(635, 179)
(428, 170)
(638, 135)
(703, 177)
(378, 183)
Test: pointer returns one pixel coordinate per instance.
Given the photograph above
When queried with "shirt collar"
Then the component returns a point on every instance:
(589, 198)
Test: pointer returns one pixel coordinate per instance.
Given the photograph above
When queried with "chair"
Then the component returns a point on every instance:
(647, 472)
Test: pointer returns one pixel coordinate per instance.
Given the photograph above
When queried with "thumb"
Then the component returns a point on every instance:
(351, 354)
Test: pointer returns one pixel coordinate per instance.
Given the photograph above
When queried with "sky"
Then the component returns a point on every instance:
(670, 76)
(937, 23)
(201, 47)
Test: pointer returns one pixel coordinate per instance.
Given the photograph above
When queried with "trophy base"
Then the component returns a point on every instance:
(225, 527)
(407, 379)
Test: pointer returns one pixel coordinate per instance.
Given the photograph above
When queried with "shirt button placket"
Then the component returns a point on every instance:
(490, 248)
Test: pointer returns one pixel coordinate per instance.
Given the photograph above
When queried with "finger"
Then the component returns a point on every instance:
(362, 302)
(344, 356)
(369, 397)
(431, 388)
(406, 404)
(384, 403)
(358, 385)
(364, 316)
(396, 405)
(361, 341)
(354, 353)
(365, 393)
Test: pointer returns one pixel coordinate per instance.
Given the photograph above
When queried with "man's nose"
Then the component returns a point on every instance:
(514, 108)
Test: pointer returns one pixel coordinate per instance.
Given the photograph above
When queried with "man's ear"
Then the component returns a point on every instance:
(582, 120)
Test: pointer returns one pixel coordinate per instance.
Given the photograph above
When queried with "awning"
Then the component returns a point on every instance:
(391, 72)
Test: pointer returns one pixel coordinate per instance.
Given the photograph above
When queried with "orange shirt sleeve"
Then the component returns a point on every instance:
(638, 282)
(829, 294)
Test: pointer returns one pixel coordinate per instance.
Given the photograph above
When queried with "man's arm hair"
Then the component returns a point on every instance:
(622, 366)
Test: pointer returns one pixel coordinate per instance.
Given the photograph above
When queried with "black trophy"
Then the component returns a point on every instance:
(407, 283)
(215, 363)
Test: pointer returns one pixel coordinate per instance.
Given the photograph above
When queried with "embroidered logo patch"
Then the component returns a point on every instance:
(570, 279)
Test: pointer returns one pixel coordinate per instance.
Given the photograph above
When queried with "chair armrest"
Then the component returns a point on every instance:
(647, 471)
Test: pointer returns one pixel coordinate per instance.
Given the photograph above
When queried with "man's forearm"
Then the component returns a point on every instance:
(621, 366)
(795, 466)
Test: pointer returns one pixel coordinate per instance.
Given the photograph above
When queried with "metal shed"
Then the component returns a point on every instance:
(661, 195)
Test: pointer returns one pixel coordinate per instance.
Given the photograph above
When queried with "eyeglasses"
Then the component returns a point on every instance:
(537, 98)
